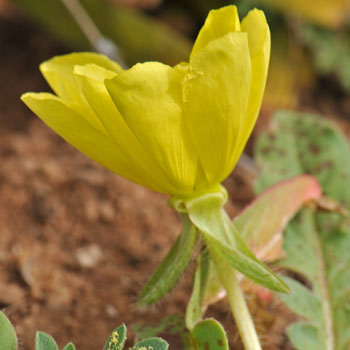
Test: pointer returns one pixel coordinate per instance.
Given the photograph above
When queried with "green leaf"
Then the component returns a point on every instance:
(317, 244)
(8, 339)
(305, 335)
(116, 340)
(69, 346)
(207, 289)
(151, 344)
(302, 300)
(260, 224)
(195, 309)
(246, 263)
(171, 328)
(172, 267)
(209, 335)
(330, 50)
(325, 262)
(219, 232)
(44, 341)
(208, 332)
(262, 221)
(300, 143)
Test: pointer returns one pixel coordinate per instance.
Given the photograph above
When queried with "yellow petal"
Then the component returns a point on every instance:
(218, 23)
(79, 133)
(91, 78)
(58, 72)
(259, 47)
(94, 72)
(216, 91)
(149, 98)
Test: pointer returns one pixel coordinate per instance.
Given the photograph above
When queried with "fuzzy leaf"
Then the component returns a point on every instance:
(304, 334)
(44, 341)
(172, 267)
(8, 339)
(151, 344)
(69, 346)
(205, 335)
(171, 328)
(195, 309)
(218, 231)
(206, 289)
(317, 245)
(117, 339)
(247, 264)
(300, 143)
(262, 221)
(325, 262)
(209, 335)
(261, 224)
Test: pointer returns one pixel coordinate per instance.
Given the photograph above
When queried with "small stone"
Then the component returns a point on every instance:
(89, 256)
(106, 211)
(112, 311)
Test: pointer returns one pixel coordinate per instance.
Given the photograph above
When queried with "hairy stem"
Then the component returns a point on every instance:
(239, 308)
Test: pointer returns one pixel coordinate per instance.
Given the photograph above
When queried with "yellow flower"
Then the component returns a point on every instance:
(177, 130)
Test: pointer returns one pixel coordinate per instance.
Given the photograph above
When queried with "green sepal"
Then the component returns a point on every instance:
(172, 267)
(44, 341)
(151, 344)
(209, 335)
(194, 310)
(249, 266)
(69, 346)
(205, 291)
(208, 215)
(116, 340)
(8, 339)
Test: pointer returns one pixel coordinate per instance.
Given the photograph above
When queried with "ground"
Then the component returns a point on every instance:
(77, 242)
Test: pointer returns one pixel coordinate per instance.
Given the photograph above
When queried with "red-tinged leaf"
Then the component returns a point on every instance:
(317, 244)
(261, 223)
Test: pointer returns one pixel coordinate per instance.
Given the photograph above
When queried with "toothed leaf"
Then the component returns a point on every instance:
(317, 245)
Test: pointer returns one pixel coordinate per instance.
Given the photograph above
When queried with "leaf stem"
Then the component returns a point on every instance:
(239, 308)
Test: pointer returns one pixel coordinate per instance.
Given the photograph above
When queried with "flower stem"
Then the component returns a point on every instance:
(239, 308)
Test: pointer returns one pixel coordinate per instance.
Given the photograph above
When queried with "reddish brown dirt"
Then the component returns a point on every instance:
(76, 241)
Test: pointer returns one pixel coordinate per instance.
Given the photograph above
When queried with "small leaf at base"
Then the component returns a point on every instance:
(8, 339)
(151, 344)
(117, 339)
(209, 335)
(69, 346)
(44, 341)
